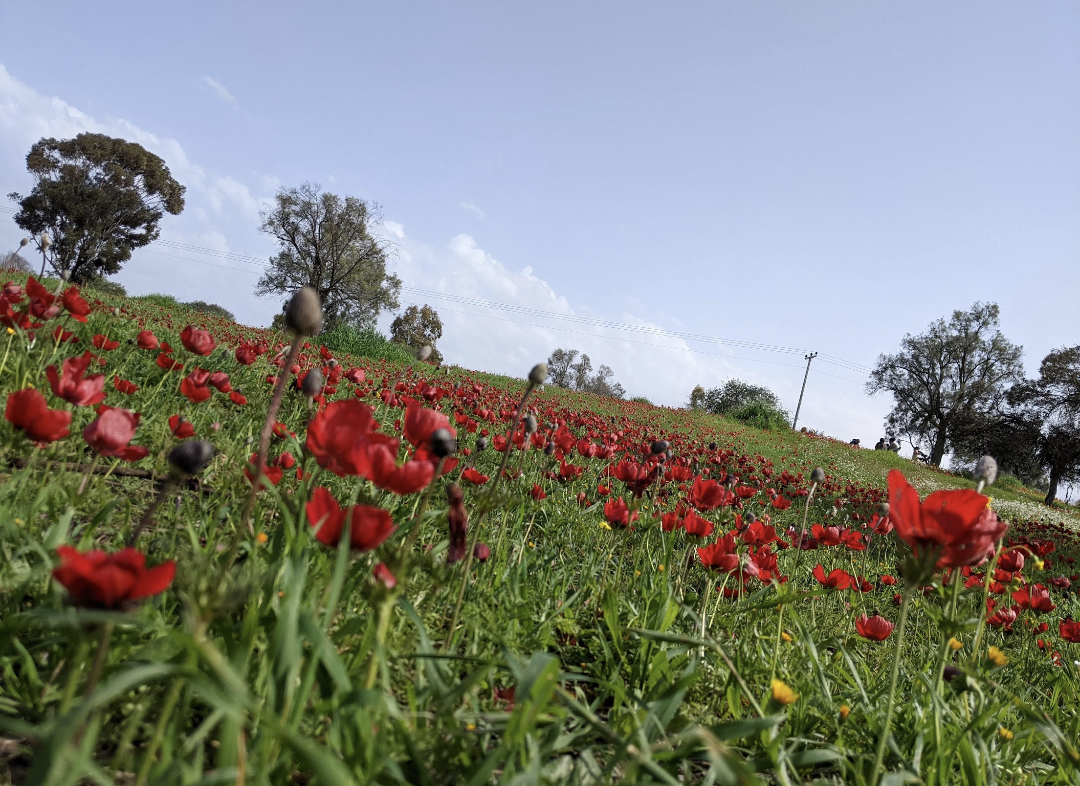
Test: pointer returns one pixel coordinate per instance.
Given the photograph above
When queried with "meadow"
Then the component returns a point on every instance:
(440, 577)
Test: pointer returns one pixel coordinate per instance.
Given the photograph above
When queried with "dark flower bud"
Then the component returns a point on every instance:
(303, 313)
(313, 383)
(191, 456)
(443, 443)
(482, 552)
(24, 242)
(424, 353)
(659, 446)
(712, 446)
(986, 470)
(749, 518)
(883, 509)
(64, 276)
(248, 440)
(549, 448)
(481, 444)
(333, 363)
(951, 673)
(817, 475)
(530, 424)
(539, 373)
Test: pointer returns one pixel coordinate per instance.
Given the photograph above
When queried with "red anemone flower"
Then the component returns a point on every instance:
(197, 342)
(112, 431)
(27, 411)
(720, 555)
(168, 363)
(369, 526)
(338, 437)
(146, 340)
(617, 513)
(875, 628)
(1070, 630)
(837, 579)
(107, 581)
(421, 423)
(104, 343)
(238, 398)
(958, 523)
(1036, 598)
(707, 494)
(780, 503)
(473, 476)
(537, 492)
(75, 305)
(697, 525)
(74, 387)
(181, 429)
(193, 391)
(125, 386)
(410, 477)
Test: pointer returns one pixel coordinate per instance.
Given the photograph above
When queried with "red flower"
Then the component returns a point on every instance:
(76, 306)
(246, 355)
(383, 575)
(537, 493)
(270, 474)
(369, 526)
(1036, 598)
(720, 555)
(146, 340)
(780, 503)
(838, 579)
(421, 422)
(410, 477)
(826, 536)
(1070, 631)
(355, 375)
(1011, 560)
(617, 513)
(875, 628)
(107, 581)
(102, 342)
(697, 525)
(482, 552)
(888, 581)
(27, 411)
(124, 386)
(220, 380)
(338, 436)
(237, 398)
(74, 388)
(759, 534)
(197, 342)
(670, 522)
(473, 476)
(193, 391)
(168, 363)
(1002, 618)
(852, 539)
(707, 494)
(111, 433)
(458, 518)
(181, 429)
(959, 523)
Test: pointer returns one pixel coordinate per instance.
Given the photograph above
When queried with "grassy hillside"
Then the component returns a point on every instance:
(610, 608)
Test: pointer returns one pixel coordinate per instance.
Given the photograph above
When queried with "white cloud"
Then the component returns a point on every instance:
(219, 89)
(395, 229)
(472, 208)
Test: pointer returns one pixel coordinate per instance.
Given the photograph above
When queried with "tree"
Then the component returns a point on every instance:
(569, 370)
(98, 198)
(324, 242)
(735, 394)
(697, 398)
(952, 373)
(16, 261)
(418, 327)
(1053, 400)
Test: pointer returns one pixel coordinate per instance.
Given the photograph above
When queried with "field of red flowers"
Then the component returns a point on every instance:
(231, 557)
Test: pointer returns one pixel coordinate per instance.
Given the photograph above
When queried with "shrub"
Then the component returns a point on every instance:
(640, 400)
(103, 287)
(159, 300)
(210, 308)
(760, 415)
(367, 342)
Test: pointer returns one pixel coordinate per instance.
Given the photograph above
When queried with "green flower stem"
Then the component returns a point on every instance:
(159, 732)
(990, 569)
(879, 758)
(380, 639)
(418, 517)
(794, 577)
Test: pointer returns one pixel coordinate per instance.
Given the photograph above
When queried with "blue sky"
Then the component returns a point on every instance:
(821, 176)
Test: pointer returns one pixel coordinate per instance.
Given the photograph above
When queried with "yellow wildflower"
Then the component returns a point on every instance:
(261, 538)
(997, 657)
(955, 644)
(845, 710)
(661, 568)
(1005, 734)
(787, 637)
(782, 694)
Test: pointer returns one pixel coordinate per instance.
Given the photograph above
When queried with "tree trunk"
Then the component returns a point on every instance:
(938, 451)
(1051, 494)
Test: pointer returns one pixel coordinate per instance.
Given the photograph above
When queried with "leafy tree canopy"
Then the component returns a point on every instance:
(98, 198)
(417, 327)
(324, 242)
(953, 373)
(568, 368)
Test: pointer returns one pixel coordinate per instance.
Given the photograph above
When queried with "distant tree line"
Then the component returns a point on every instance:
(570, 369)
(754, 405)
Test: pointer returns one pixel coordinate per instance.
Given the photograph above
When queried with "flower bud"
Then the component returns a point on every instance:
(883, 509)
(313, 383)
(424, 353)
(24, 242)
(749, 518)
(64, 275)
(986, 470)
(191, 456)
(333, 363)
(530, 424)
(116, 312)
(481, 444)
(482, 552)
(549, 448)
(443, 443)
(817, 475)
(539, 373)
(659, 446)
(303, 313)
(712, 446)
(46, 241)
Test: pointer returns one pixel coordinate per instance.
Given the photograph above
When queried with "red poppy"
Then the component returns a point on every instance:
(482, 552)
(369, 526)
(410, 477)
(338, 437)
(237, 398)
(670, 522)
(538, 493)
(1070, 630)
(1002, 618)
(708, 494)
(146, 340)
(875, 628)
(271, 474)
(826, 536)
(112, 431)
(107, 581)
(197, 342)
(60, 334)
(720, 555)
(888, 581)
(697, 525)
(168, 363)
(181, 429)
(124, 386)
(246, 355)
(74, 387)
(1036, 598)
(1011, 560)
(852, 539)
(103, 343)
(27, 411)
(193, 391)
(617, 513)
(780, 503)
(636, 476)
(473, 476)
(383, 575)
(421, 423)
(960, 523)
(355, 375)
(75, 305)
(837, 579)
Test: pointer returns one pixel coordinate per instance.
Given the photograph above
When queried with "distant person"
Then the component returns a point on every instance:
(854, 443)
(894, 446)
(880, 444)
(916, 454)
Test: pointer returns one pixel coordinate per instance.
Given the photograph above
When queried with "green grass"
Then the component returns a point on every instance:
(274, 659)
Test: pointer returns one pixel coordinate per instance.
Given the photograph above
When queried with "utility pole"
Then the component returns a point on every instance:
(807, 358)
